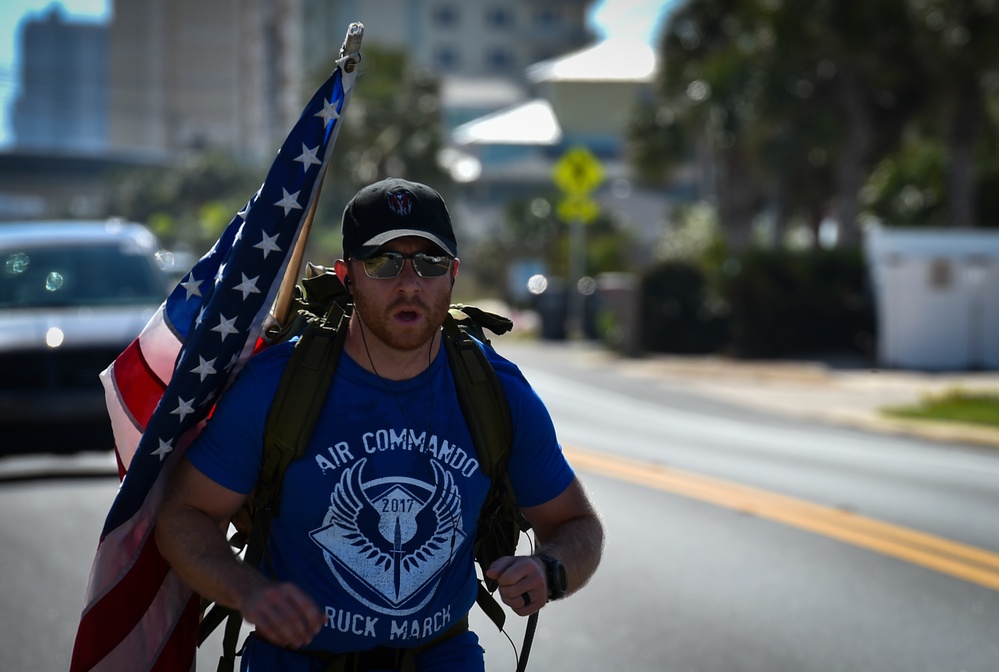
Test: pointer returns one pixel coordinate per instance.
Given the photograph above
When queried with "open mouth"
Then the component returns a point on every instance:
(407, 316)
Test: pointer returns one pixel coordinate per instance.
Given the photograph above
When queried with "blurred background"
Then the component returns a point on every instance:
(785, 215)
(758, 179)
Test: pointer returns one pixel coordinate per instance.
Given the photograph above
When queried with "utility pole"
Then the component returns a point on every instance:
(577, 174)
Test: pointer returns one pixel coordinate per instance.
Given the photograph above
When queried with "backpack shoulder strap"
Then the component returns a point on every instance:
(294, 412)
(481, 396)
(487, 412)
(299, 400)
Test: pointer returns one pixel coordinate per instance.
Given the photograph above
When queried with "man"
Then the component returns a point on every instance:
(372, 548)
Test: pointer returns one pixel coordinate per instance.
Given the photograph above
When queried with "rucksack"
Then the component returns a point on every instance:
(323, 308)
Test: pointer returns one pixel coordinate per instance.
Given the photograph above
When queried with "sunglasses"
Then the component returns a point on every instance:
(389, 265)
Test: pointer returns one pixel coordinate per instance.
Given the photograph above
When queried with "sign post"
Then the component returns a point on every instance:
(577, 174)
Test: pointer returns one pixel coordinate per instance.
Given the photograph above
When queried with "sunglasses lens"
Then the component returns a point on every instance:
(428, 266)
(385, 265)
(389, 264)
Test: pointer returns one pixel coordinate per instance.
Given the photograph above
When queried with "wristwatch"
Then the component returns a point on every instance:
(558, 584)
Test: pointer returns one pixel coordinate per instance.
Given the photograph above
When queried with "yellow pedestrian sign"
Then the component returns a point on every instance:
(577, 208)
(578, 172)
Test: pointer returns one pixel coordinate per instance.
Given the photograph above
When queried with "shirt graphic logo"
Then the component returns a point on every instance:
(400, 202)
(387, 541)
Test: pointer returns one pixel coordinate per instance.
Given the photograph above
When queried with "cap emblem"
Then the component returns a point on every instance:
(400, 202)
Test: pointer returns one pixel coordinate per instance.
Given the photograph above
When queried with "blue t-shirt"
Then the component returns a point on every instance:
(378, 519)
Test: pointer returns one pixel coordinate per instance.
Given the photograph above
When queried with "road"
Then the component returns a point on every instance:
(48, 536)
(736, 541)
(722, 579)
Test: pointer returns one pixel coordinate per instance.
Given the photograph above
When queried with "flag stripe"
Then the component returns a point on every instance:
(138, 388)
(126, 602)
(172, 622)
(179, 651)
(160, 344)
(127, 431)
(134, 383)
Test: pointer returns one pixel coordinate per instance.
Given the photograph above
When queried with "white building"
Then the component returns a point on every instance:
(937, 297)
(582, 98)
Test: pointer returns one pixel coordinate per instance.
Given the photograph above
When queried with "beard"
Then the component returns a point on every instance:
(381, 322)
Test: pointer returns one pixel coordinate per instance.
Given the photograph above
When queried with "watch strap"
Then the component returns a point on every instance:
(554, 576)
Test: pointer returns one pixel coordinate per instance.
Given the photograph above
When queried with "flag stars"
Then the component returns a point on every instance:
(225, 327)
(184, 407)
(247, 286)
(308, 157)
(328, 113)
(268, 244)
(204, 369)
(192, 286)
(289, 201)
(165, 449)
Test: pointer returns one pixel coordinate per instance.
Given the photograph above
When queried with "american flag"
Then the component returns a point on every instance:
(139, 615)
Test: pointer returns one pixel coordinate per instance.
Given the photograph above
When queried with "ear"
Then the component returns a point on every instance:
(342, 270)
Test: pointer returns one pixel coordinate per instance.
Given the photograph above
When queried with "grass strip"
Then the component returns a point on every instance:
(957, 405)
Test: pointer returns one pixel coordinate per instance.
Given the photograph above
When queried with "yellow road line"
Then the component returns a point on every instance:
(919, 548)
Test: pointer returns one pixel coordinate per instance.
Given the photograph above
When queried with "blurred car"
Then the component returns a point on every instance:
(73, 295)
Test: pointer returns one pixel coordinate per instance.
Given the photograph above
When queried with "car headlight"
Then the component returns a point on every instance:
(54, 337)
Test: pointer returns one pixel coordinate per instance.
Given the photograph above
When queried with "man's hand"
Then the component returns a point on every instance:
(189, 533)
(522, 583)
(283, 614)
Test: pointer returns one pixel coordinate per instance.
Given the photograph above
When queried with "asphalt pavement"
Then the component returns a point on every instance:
(836, 392)
(839, 393)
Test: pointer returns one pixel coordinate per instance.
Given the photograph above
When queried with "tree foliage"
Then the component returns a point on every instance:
(187, 204)
(804, 109)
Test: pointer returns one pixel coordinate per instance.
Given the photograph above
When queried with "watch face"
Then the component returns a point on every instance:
(558, 583)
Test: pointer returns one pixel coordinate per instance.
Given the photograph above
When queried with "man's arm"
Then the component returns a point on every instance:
(568, 529)
(191, 535)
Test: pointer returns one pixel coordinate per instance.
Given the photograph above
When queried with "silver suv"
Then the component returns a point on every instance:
(73, 295)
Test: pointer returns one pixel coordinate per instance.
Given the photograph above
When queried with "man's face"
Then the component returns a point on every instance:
(406, 311)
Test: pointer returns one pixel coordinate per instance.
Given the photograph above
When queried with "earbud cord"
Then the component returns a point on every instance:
(388, 387)
(430, 424)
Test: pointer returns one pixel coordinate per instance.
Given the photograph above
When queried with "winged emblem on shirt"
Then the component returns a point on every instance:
(388, 540)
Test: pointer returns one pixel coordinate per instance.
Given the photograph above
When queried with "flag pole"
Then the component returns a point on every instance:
(351, 50)
(282, 304)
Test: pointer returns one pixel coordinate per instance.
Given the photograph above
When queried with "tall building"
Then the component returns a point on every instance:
(62, 101)
(470, 38)
(189, 74)
(233, 73)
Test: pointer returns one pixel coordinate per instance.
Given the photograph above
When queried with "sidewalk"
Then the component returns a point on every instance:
(849, 396)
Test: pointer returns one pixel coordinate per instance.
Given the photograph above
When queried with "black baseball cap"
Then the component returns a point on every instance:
(391, 209)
